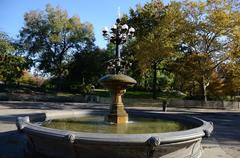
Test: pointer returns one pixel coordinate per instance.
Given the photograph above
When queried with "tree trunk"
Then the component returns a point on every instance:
(205, 93)
(204, 85)
(154, 84)
(145, 82)
(192, 90)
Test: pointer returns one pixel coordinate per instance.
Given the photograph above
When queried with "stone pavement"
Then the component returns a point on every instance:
(225, 142)
(212, 149)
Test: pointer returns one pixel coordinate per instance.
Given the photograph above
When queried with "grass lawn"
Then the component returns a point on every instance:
(27, 89)
(139, 94)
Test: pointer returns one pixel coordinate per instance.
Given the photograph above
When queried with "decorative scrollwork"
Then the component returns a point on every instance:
(153, 141)
(118, 66)
(70, 138)
(20, 123)
(118, 35)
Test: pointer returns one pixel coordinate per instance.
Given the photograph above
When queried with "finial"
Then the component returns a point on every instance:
(119, 13)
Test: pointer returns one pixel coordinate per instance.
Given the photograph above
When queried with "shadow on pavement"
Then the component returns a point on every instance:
(12, 145)
(226, 126)
(47, 105)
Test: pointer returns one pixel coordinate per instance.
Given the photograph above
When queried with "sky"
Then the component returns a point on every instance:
(100, 13)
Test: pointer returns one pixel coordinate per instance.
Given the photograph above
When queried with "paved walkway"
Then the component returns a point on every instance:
(225, 142)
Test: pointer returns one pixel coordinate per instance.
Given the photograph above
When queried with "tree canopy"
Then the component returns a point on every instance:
(190, 39)
(188, 46)
(11, 65)
(210, 39)
(51, 38)
(158, 34)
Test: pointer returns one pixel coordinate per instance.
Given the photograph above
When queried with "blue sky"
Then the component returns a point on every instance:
(98, 12)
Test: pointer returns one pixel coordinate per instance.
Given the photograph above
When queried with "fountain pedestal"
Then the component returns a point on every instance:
(117, 113)
(117, 84)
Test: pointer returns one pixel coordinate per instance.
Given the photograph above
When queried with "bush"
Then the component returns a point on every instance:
(82, 88)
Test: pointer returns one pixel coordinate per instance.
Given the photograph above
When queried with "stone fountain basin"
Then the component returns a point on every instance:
(61, 144)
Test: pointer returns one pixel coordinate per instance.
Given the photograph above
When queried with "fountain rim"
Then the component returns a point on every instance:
(24, 125)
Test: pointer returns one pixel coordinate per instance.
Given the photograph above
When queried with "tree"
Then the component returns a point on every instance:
(211, 35)
(11, 65)
(186, 70)
(158, 31)
(88, 66)
(230, 73)
(51, 38)
(216, 85)
(5, 45)
(30, 79)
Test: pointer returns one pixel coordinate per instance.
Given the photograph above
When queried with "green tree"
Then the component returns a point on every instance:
(51, 38)
(11, 65)
(158, 32)
(88, 66)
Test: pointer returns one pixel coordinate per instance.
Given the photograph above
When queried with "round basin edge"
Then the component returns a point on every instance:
(204, 130)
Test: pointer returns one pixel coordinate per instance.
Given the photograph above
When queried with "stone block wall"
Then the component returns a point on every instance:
(201, 104)
(176, 103)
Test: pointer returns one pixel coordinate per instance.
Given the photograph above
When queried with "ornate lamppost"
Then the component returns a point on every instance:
(118, 35)
(116, 81)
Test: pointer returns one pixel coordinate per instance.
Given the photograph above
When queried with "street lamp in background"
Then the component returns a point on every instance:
(118, 35)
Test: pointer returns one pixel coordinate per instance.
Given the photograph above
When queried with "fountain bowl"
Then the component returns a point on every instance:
(113, 81)
(61, 143)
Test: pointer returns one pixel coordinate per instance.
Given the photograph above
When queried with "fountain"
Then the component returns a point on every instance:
(116, 82)
(49, 133)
